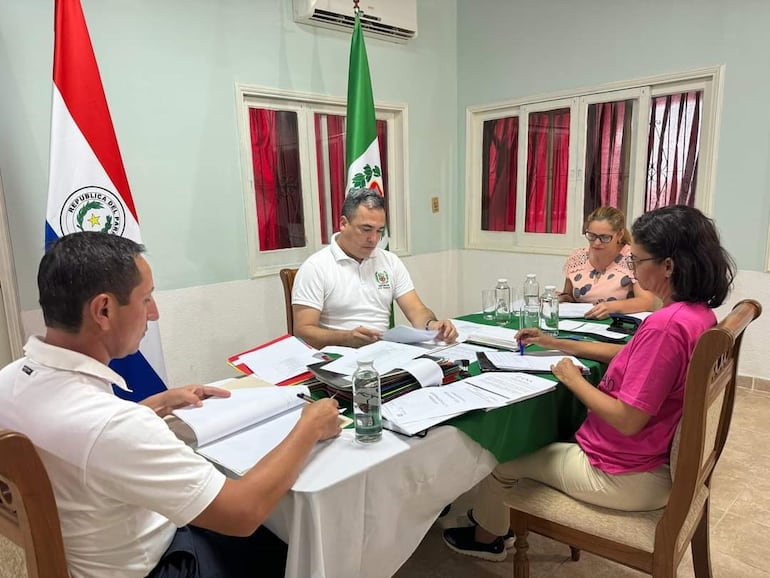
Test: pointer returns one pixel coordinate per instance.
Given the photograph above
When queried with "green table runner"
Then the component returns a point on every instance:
(525, 426)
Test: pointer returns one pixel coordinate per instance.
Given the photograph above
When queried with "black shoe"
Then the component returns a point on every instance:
(509, 539)
(463, 541)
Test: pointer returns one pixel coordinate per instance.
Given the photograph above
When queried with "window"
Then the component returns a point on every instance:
(293, 162)
(537, 167)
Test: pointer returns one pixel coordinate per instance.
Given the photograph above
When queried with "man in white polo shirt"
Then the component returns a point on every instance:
(133, 500)
(343, 293)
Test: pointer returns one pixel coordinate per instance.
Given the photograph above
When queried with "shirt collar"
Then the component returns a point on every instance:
(340, 255)
(68, 360)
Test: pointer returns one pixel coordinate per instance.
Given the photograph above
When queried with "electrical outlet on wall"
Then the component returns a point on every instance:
(434, 204)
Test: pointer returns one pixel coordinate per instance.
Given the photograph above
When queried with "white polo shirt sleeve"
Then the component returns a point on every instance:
(308, 289)
(402, 281)
(138, 460)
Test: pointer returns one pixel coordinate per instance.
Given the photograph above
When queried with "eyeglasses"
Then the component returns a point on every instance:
(604, 239)
(632, 262)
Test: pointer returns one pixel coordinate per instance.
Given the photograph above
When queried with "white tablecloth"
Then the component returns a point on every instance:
(361, 511)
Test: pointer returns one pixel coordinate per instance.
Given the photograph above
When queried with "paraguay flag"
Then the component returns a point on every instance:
(87, 185)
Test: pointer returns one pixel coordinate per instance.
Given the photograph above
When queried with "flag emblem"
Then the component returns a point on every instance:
(382, 279)
(93, 209)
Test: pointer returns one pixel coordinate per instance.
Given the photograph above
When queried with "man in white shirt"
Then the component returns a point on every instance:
(343, 293)
(133, 500)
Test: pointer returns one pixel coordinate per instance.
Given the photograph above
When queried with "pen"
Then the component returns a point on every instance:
(306, 397)
(521, 347)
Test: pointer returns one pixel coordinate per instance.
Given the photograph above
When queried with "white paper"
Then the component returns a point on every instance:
(574, 310)
(423, 408)
(406, 334)
(512, 386)
(592, 328)
(221, 416)
(515, 362)
(281, 360)
(641, 316)
(426, 371)
(459, 351)
(387, 355)
(238, 453)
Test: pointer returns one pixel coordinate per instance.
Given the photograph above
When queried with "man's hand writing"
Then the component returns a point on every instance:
(323, 417)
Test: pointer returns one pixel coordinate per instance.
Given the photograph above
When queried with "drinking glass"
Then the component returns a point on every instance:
(488, 304)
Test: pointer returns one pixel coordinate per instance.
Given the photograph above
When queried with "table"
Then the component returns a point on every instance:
(373, 505)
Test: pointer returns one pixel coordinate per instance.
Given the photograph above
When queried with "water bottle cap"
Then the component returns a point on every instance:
(550, 287)
(531, 275)
(365, 359)
(502, 280)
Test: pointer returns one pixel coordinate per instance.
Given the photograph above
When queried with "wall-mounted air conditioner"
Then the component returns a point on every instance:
(394, 20)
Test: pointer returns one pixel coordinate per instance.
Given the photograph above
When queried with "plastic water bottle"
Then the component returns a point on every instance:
(531, 314)
(367, 402)
(503, 302)
(549, 311)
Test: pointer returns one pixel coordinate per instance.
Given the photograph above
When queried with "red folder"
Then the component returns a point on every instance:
(234, 361)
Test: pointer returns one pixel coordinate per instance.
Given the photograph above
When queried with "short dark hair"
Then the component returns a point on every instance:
(369, 198)
(78, 267)
(703, 269)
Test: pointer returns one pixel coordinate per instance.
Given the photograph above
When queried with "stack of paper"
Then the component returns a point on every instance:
(277, 361)
(510, 361)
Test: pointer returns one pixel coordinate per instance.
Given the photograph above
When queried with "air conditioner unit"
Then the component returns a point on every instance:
(394, 20)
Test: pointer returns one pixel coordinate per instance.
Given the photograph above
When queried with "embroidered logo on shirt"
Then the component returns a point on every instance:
(383, 281)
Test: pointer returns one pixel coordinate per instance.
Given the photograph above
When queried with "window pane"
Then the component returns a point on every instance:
(547, 171)
(330, 168)
(608, 155)
(498, 174)
(672, 150)
(277, 182)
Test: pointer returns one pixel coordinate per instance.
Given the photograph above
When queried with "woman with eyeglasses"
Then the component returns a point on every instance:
(599, 273)
(620, 454)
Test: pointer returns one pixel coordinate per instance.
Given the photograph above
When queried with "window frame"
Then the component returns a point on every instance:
(306, 105)
(709, 80)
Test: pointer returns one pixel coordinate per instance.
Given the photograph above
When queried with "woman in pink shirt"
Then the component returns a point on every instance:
(620, 456)
(599, 273)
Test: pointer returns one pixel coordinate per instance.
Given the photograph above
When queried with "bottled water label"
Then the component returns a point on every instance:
(367, 403)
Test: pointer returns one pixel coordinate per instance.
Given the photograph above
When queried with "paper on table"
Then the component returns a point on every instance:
(574, 310)
(516, 362)
(406, 334)
(387, 355)
(512, 386)
(423, 408)
(592, 328)
(426, 371)
(279, 361)
(459, 351)
(221, 416)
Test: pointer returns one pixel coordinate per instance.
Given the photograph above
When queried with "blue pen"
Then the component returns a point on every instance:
(521, 348)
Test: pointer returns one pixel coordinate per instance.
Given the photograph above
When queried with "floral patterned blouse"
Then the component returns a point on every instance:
(592, 286)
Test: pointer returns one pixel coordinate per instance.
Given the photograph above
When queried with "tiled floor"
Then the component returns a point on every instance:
(740, 521)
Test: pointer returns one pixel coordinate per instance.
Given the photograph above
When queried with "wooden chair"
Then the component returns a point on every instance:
(653, 542)
(287, 279)
(28, 514)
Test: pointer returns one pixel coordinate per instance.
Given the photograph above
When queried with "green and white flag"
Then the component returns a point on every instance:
(362, 152)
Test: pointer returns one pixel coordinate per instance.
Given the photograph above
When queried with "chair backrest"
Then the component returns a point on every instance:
(708, 409)
(28, 514)
(287, 278)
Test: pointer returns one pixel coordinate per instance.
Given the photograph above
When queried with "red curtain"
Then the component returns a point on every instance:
(335, 149)
(332, 147)
(672, 150)
(499, 174)
(277, 184)
(607, 155)
(547, 172)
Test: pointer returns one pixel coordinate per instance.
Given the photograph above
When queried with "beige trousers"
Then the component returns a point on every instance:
(565, 466)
